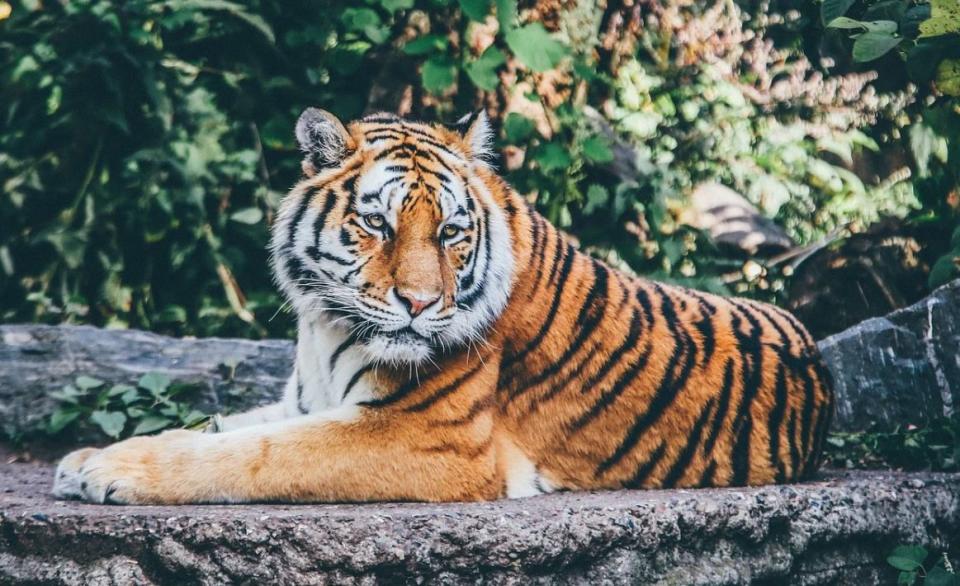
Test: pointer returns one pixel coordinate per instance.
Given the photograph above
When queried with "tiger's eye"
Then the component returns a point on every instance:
(375, 221)
(449, 231)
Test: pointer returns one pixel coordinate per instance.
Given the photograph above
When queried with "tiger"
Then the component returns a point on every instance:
(453, 345)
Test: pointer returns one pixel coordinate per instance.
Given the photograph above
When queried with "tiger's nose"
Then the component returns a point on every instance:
(416, 301)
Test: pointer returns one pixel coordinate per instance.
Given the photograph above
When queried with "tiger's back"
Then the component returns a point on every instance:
(624, 382)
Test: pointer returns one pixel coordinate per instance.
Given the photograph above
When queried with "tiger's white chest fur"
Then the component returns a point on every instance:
(330, 369)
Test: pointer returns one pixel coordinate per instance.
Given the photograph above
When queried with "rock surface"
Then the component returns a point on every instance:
(233, 374)
(904, 367)
(835, 530)
(901, 368)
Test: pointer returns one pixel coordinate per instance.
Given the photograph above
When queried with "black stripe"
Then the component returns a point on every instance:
(752, 376)
(722, 407)
(350, 341)
(444, 390)
(776, 421)
(640, 476)
(317, 254)
(741, 453)
(608, 396)
(588, 318)
(644, 299)
(794, 452)
(354, 380)
(303, 410)
(682, 462)
(674, 380)
(562, 277)
(304, 203)
(707, 478)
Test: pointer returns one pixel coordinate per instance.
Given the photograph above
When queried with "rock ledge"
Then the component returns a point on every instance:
(837, 529)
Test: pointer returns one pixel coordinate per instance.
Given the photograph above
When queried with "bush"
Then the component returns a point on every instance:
(146, 144)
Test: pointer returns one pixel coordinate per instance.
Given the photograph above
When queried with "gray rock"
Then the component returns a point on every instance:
(232, 374)
(899, 369)
(835, 530)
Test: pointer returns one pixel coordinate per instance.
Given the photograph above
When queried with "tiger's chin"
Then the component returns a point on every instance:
(400, 348)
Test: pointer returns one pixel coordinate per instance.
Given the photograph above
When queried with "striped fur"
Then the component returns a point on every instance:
(536, 368)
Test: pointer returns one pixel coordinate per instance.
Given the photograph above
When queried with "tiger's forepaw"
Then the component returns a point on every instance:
(127, 473)
(67, 483)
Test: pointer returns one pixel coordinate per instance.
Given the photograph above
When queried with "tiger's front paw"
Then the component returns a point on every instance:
(68, 482)
(130, 472)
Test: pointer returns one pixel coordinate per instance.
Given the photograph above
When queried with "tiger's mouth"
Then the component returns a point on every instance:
(407, 335)
(399, 346)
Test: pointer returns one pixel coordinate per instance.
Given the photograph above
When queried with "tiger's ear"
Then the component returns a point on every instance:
(323, 139)
(477, 133)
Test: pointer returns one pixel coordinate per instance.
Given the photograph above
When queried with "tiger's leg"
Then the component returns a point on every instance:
(345, 454)
(283, 409)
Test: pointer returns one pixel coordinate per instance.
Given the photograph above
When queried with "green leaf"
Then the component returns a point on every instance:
(236, 10)
(154, 382)
(845, 22)
(475, 9)
(131, 396)
(553, 157)
(907, 557)
(367, 21)
(483, 71)
(939, 576)
(948, 77)
(110, 422)
(119, 390)
(944, 270)
(832, 9)
(597, 149)
(873, 45)
(535, 48)
(249, 215)
(394, 5)
(597, 198)
(87, 382)
(150, 424)
(438, 73)
(517, 128)
(60, 419)
(944, 19)
(359, 19)
(426, 44)
(507, 14)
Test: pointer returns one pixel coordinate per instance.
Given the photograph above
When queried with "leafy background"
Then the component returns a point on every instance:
(145, 145)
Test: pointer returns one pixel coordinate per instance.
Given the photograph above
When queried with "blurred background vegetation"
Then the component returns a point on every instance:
(801, 152)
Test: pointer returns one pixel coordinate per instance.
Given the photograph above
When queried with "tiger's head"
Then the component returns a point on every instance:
(398, 231)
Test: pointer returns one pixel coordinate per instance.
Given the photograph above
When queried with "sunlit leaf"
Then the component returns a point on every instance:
(873, 45)
(535, 48)
(110, 422)
(483, 71)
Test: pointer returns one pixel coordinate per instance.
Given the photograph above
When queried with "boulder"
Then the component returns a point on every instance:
(836, 530)
(899, 369)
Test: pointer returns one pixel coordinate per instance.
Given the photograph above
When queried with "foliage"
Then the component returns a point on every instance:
(911, 562)
(918, 43)
(935, 446)
(122, 410)
(147, 143)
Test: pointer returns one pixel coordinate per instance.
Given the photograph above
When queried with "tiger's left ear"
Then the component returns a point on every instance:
(323, 140)
(477, 133)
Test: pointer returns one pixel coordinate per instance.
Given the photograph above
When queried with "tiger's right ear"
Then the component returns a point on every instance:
(323, 139)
